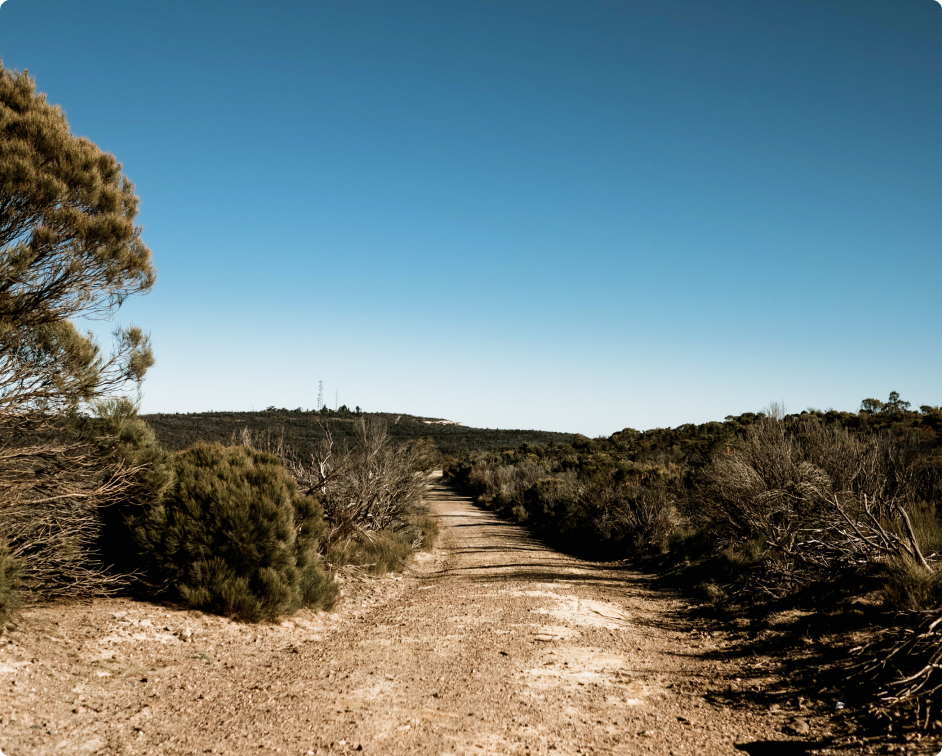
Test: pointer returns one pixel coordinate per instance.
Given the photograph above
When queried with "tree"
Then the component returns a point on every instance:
(69, 248)
(896, 405)
(871, 406)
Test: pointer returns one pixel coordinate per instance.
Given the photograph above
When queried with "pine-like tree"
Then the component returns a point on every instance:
(68, 248)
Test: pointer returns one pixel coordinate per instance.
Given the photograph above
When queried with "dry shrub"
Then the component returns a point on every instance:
(372, 493)
(646, 514)
(820, 498)
(55, 482)
(904, 666)
(372, 484)
(909, 587)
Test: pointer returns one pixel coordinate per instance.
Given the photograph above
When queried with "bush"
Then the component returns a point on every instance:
(234, 536)
(55, 483)
(66, 490)
(426, 531)
(645, 515)
(910, 588)
(382, 551)
(9, 584)
(123, 436)
(368, 485)
(378, 552)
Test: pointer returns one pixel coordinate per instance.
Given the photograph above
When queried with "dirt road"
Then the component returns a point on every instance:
(493, 644)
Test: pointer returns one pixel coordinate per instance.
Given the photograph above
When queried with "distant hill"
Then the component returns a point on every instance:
(302, 429)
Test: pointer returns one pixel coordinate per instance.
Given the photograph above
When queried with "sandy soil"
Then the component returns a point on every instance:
(492, 644)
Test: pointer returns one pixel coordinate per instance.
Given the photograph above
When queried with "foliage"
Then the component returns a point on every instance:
(819, 497)
(68, 247)
(601, 514)
(378, 552)
(233, 535)
(122, 435)
(303, 430)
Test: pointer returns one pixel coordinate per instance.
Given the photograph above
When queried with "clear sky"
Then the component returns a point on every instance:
(574, 216)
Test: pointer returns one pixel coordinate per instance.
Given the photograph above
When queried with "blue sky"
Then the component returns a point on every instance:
(575, 216)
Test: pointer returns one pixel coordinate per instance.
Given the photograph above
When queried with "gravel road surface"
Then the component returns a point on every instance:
(491, 644)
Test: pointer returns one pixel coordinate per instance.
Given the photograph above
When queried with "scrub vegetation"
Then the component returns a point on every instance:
(303, 430)
(760, 513)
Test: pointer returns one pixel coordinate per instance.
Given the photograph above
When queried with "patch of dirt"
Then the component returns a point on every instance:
(492, 644)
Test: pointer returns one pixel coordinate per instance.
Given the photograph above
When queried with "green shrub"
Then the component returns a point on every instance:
(685, 543)
(121, 433)
(378, 552)
(911, 588)
(519, 513)
(9, 585)
(426, 530)
(233, 535)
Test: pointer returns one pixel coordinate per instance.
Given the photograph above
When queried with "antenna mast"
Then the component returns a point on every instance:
(320, 397)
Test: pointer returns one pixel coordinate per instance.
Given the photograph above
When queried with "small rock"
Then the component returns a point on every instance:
(79, 710)
(798, 727)
(648, 734)
(775, 709)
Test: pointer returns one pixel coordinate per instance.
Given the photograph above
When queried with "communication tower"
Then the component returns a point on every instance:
(320, 397)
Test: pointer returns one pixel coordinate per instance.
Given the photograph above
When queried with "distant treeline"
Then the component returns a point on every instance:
(678, 463)
(693, 446)
(302, 430)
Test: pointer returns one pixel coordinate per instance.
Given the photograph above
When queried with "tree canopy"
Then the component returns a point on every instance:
(69, 248)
